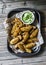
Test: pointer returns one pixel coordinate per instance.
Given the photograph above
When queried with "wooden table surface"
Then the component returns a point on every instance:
(6, 58)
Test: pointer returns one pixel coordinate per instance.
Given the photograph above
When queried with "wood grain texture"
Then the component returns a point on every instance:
(9, 6)
(6, 58)
(0, 11)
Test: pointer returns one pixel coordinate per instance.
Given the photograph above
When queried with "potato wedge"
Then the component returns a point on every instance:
(34, 33)
(32, 40)
(26, 29)
(28, 50)
(15, 40)
(21, 47)
(30, 45)
(25, 36)
(13, 28)
(16, 32)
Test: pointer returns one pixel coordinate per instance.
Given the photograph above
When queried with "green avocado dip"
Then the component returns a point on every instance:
(28, 17)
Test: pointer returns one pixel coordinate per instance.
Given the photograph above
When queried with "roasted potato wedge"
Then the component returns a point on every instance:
(14, 28)
(15, 40)
(21, 47)
(26, 29)
(32, 40)
(18, 22)
(16, 45)
(25, 36)
(28, 50)
(34, 33)
(30, 45)
(16, 32)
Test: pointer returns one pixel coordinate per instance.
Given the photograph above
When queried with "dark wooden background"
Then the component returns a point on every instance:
(6, 58)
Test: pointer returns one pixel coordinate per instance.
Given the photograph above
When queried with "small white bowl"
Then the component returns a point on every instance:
(23, 14)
